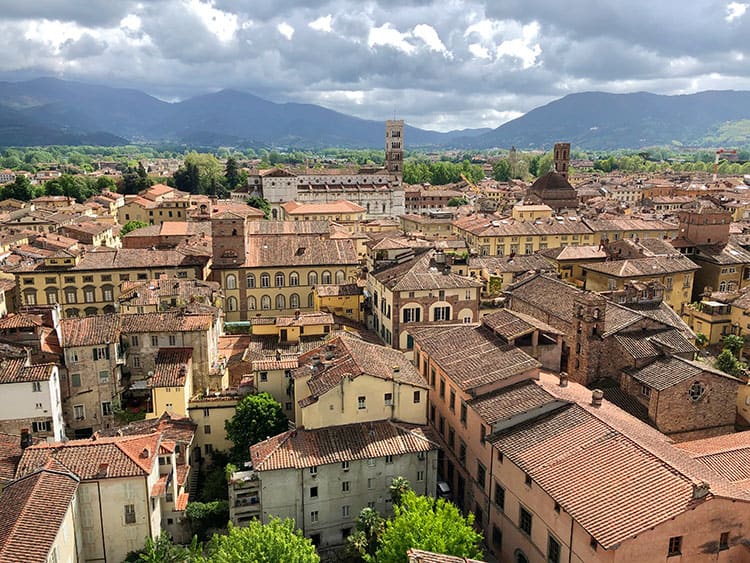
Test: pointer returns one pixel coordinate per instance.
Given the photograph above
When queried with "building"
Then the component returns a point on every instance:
(172, 382)
(498, 272)
(89, 284)
(160, 203)
(554, 190)
(342, 211)
(168, 234)
(434, 225)
(419, 200)
(419, 290)
(92, 233)
(346, 300)
(163, 294)
(210, 412)
(272, 268)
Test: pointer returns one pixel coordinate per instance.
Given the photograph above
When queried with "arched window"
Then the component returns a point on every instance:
(340, 276)
(294, 279)
(51, 293)
(310, 300)
(325, 277)
(89, 294)
(231, 304)
(250, 281)
(252, 303)
(108, 309)
(280, 301)
(265, 280)
(91, 311)
(279, 279)
(274, 213)
(108, 293)
(71, 295)
(294, 301)
(312, 279)
(265, 302)
(231, 281)
(72, 313)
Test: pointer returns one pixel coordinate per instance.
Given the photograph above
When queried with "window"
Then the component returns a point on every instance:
(281, 304)
(370, 483)
(79, 412)
(36, 386)
(70, 295)
(417, 397)
(593, 544)
(452, 401)
(325, 277)
(420, 475)
(360, 403)
(312, 280)
(463, 413)
(389, 459)
(497, 537)
(645, 391)
(314, 518)
(252, 303)
(462, 452)
(75, 379)
(172, 340)
(412, 315)
(130, 514)
(675, 546)
(231, 281)
(154, 340)
(724, 541)
(293, 279)
(231, 303)
(388, 399)
(451, 437)
(136, 361)
(313, 492)
(250, 281)
(88, 294)
(345, 466)
(134, 340)
(279, 279)
(553, 550)
(481, 473)
(264, 376)
(557, 507)
(345, 486)
(345, 511)
(208, 448)
(265, 280)
(206, 428)
(524, 521)
(41, 426)
(39, 406)
(106, 408)
(265, 302)
(441, 313)
(499, 497)
(442, 388)
(314, 470)
(527, 480)
(294, 301)
(696, 391)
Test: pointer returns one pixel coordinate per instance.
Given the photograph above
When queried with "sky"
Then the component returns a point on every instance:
(439, 64)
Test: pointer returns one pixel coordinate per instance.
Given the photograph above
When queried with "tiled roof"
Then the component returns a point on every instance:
(666, 372)
(260, 228)
(306, 319)
(728, 455)
(88, 331)
(547, 293)
(160, 487)
(301, 250)
(14, 370)
(152, 292)
(183, 469)
(129, 456)
(127, 258)
(20, 320)
(420, 556)
(339, 206)
(511, 324)
(181, 502)
(299, 449)
(421, 273)
(638, 267)
(351, 357)
(725, 255)
(646, 343)
(32, 510)
(504, 227)
(172, 427)
(472, 355)
(338, 290)
(10, 455)
(631, 224)
(171, 367)
(274, 364)
(510, 401)
(171, 321)
(506, 264)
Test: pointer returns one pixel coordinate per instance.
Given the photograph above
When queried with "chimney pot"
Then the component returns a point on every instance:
(596, 397)
(563, 379)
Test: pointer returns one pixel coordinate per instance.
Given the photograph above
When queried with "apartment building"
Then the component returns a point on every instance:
(341, 211)
(160, 203)
(163, 294)
(419, 290)
(611, 230)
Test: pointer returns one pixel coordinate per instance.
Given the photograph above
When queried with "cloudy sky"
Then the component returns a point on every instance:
(441, 64)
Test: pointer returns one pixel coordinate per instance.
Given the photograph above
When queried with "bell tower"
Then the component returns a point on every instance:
(562, 158)
(588, 323)
(394, 147)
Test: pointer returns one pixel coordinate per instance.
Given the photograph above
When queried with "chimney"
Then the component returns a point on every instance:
(25, 438)
(316, 360)
(700, 490)
(103, 470)
(596, 397)
(396, 370)
(563, 379)
(145, 453)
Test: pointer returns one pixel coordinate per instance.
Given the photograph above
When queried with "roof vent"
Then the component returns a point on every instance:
(596, 397)
(700, 490)
(145, 454)
(396, 369)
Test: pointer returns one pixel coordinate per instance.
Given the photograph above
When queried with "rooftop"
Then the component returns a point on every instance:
(422, 273)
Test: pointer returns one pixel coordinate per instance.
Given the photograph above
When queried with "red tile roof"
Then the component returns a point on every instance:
(298, 449)
(181, 502)
(420, 556)
(89, 331)
(13, 370)
(171, 321)
(171, 367)
(32, 509)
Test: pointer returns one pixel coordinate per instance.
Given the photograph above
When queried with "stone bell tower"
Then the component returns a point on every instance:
(588, 325)
(562, 158)
(394, 147)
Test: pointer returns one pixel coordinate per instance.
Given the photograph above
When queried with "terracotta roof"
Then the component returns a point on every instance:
(495, 226)
(299, 449)
(723, 254)
(306, 319)
(10, 455)
(153, 292)
(172, 427)
(181, 502)
(160, 487)
(88, 331)
(32, 510)
(183, 469)
(171, 367)
(666, 372)
(649, 343)
(629, 224)
(351, 357)
(129, 456)
(301, 250)
(14, 370)
(639, 267)
(102, 258)
(420, 556)
(517, 264)
(511, 324)
(338, 290)
(587, 252)
(420, 273)
(510, 401)
(311, 208)
(171, 321)
(20, 320)
(274, 364)
(260, 228)
(472, 355)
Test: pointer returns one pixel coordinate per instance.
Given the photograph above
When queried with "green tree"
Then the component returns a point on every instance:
(20, 189)
(398, 488)
(260, 203)
(258, 417)
(187, 178)
(204, 517)
(132, 226)
(457, 201)
(701, 340)
(135, 179)
(263, 543)
(733, 343)
(363, 543)
(427, 523)
(501, 170)
(232, 173)
(728, 362)
(162, 550)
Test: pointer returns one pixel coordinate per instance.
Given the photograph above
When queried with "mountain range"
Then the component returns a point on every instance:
(47, 111)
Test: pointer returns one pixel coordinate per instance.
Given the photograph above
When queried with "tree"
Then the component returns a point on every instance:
(135, 180)
(363, 543)
(457, 201)
(232, 173)
(258, 417)
(728, 363)
(207, 516)
(260, 203)
(398, 488)
(733, 343)
(263, 543)
(162, 550)
(20, 189)
(187, 178)
(132, 226)
(427, 523)
(701, 340)
(501, 170)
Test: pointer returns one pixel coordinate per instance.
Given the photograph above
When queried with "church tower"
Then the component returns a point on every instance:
(588, 322)
(394, 146)
(562, 158)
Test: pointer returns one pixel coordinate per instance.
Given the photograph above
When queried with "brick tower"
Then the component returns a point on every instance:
(562, 158)
(229, 239)
(588, 326)
(394, 146)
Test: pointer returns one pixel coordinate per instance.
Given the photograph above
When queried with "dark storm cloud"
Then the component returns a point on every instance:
(467, 63)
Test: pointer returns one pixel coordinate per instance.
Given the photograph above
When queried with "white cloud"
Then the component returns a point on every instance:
(130, 23)
(323, 23)
(286, 30)
(387, 35)
(735, 10)
(222, 24)
(430, 38)
(479, 52)
(524, 49)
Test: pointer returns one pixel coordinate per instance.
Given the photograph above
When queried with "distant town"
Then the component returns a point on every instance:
(505, 356)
